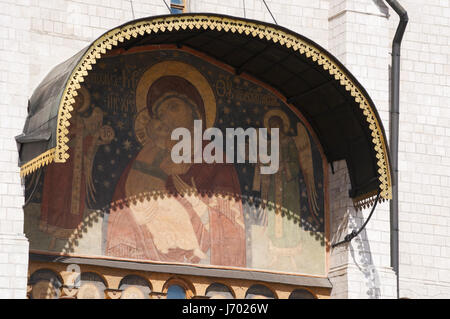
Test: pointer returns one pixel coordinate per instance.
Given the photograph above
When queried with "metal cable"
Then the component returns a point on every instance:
(132, 9)
(354, 233)
(168, 8)
(264, 1)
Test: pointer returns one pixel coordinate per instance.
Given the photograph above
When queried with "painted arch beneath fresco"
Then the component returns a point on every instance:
(96, 148)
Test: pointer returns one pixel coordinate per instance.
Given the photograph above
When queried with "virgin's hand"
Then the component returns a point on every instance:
(182, 187)
(191, 194)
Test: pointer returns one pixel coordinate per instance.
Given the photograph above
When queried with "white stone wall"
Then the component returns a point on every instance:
(424, 158)
(359, 38)
(14, 62)
(309, 18)
(36, 35)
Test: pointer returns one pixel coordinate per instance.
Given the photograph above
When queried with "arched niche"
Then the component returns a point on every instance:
(94, 152)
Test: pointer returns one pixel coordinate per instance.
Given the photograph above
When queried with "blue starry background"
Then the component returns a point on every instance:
(116, 77)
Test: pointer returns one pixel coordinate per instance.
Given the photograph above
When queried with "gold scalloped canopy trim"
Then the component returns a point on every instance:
(226, 24)
(37, 162)
(367, 200)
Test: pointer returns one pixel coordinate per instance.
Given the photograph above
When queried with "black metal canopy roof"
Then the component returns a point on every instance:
(337, 107)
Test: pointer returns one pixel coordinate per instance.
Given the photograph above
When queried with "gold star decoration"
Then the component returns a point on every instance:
(120, 125)
(127, 145)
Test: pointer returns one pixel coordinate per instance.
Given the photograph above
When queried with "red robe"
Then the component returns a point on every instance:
(225, 238)
(63, 206)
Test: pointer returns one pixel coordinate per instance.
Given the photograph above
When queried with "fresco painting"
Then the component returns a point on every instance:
(120, 195)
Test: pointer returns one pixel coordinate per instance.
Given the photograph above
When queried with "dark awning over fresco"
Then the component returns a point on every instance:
(39, 132)
(338, 108)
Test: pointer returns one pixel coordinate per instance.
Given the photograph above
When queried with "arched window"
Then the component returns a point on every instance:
(45, 284)
(176, 292)
(219, 291)
(259, 292)
(91, 286)
(301, 294)
(134, 287)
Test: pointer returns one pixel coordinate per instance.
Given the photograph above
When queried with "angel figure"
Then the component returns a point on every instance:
(188, 227)
(63, 207)
(282, 190)
(99, 135)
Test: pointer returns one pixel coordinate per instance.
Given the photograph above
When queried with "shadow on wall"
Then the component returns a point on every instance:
(362, 257)
(382, 7)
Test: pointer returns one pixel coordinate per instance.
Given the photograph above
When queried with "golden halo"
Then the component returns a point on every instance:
(171, 68)
(280, 114)
(86, 100)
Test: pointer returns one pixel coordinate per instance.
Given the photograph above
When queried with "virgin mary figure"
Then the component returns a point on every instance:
(176, 227)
